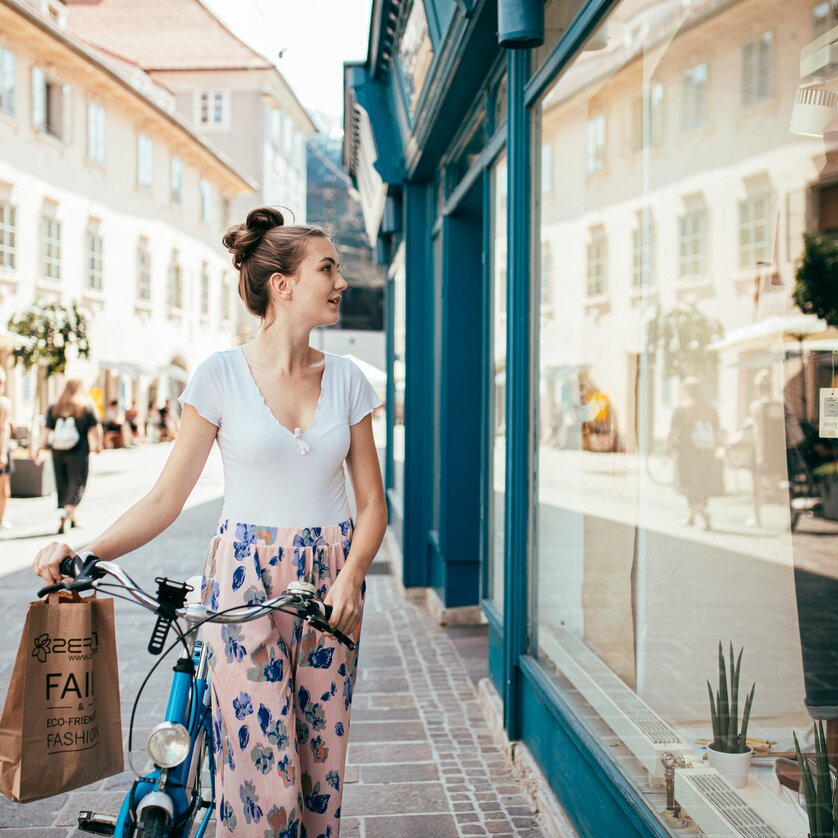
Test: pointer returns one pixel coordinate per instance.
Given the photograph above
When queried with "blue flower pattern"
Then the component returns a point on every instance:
(304, 758)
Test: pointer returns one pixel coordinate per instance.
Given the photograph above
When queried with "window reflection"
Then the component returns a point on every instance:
(399, 333)
(685, 495)
(497, 383)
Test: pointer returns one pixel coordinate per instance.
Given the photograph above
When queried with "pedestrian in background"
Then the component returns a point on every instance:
(76, 431)
(694, 437)
(6, 462)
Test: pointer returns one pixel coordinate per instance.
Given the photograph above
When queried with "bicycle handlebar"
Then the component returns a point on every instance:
(86, 570)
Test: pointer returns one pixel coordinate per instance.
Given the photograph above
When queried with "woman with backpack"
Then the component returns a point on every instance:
(76, 431)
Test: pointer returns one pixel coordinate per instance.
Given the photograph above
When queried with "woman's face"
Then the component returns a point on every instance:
(318, 286)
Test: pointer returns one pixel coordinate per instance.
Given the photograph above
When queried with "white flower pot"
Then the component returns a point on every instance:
(734, 767)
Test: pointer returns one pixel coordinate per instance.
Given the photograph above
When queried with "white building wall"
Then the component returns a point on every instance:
(37, 171)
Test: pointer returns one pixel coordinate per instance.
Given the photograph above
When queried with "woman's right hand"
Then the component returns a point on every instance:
(48, 560)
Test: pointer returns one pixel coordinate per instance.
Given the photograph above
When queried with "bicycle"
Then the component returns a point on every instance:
(166, 802)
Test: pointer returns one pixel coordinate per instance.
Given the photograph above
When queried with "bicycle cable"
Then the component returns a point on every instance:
(181, 639)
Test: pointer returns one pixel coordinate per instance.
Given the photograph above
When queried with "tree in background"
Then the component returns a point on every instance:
(53, 329)
(680, 337)
(816, 280)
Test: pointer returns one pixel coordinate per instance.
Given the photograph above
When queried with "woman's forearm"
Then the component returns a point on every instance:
(370, 526)
(144, 521)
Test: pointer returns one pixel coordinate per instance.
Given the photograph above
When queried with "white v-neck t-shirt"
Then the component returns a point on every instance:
(273, 475)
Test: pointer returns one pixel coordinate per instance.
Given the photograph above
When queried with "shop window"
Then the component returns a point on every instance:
(94, 257)
(8, 235)
(597, 284)
(176, 180)
(145, 160)
(547, 169)
(691, 245)
(501, 103)
(7, 81)
(757, 57)
(694, 97)
(596, 144)
(95, 132)
(51, 248)
(467, 153)
(546, 276)
(399, 378)
(416, 53)
(50, 105)
(496, 458)
(754, 231)
(143, 271)
(677, 433)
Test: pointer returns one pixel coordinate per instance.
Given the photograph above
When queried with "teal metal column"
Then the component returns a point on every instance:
(418, 424)
(518, 413)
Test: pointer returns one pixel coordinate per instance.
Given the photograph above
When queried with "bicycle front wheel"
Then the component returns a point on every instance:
(153, 823)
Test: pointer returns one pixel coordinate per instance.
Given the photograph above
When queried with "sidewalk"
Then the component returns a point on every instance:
(421, 759)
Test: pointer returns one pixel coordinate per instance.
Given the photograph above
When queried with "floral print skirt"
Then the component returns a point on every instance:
(281, 691)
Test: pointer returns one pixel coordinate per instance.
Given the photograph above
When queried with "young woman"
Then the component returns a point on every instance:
(72, 465)
(286, 417)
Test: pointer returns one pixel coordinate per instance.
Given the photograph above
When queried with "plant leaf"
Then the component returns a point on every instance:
(722, 703)
(733, 729)
(808, 788)
(713, 718)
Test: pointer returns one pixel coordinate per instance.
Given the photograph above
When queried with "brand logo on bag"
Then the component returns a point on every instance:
(76, 648)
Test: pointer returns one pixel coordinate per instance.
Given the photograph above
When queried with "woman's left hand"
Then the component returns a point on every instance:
(345, 598)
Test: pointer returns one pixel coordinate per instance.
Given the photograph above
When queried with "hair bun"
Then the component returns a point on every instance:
(263, 219)
(242, 239)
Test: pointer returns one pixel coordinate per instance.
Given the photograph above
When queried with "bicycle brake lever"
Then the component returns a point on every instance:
(322, 625)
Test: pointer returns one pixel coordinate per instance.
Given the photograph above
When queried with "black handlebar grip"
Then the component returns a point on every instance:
(68, 566)
(327, 611)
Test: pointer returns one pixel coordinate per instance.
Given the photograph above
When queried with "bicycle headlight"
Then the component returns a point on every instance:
(168, 744)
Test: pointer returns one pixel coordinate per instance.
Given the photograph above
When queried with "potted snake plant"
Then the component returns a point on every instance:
(818, 788)
(729, 753)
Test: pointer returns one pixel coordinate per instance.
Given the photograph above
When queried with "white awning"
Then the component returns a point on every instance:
(772, 330)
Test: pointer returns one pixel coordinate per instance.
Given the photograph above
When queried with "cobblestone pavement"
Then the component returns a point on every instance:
(421, 759)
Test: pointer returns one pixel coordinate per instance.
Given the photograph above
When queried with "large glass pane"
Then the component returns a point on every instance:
(686, 491)
(497, 384)
(399, 333)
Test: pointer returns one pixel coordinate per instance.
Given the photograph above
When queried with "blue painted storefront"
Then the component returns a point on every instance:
(439, 180)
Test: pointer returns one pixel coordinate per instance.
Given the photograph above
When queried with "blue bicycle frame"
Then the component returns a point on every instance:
(189, 705)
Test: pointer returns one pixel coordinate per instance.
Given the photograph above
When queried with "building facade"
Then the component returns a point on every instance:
(607, 431)
(109, 200)
(224, 90)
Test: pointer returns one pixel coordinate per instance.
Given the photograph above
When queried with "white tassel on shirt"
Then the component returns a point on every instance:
(304, 446)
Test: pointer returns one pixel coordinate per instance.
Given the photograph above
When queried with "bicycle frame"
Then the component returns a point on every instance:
(175, 790)
(177, 784)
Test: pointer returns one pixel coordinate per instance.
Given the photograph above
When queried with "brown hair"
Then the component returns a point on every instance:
(262, 246)
(73, 400)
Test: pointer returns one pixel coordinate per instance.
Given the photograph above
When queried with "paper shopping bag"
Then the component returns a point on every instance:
(60, 727)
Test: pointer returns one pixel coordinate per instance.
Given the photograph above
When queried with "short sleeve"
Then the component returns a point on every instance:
(204, 391)
(362, 397)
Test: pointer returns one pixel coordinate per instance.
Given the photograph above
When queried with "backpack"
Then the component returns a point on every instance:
(703, 436)
(66, 434)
